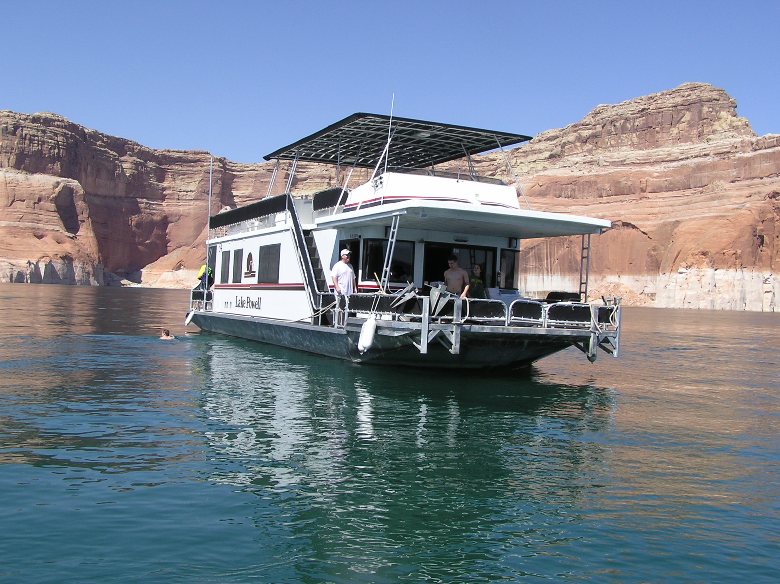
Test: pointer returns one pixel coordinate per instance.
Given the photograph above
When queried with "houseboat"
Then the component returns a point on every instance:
(419, 205)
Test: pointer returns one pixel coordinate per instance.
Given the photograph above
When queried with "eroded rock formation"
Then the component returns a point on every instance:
(693, 193)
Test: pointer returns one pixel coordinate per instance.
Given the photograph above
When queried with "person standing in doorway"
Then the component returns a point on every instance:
(476, 283)
(456, 278)
(343, 275)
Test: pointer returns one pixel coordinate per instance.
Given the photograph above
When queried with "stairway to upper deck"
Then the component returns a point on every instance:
(306, 248)
(316, 262)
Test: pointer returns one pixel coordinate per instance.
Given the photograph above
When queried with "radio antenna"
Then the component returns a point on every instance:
(389, 128)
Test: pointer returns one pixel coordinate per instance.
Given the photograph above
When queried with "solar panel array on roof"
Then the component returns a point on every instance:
(360, 140)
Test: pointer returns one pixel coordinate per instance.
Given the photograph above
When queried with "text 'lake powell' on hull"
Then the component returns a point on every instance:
(415, 266)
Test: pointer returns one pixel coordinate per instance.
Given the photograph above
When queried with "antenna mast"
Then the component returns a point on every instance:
(211, 173)
(389, 128)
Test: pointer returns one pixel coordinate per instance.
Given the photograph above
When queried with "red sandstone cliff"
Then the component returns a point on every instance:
(693, 193)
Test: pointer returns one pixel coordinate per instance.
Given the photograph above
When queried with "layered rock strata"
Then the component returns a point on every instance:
(693, 193)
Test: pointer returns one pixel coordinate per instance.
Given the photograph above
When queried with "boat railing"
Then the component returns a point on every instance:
(326, 201)
(565, 314)
(487, 311)
(568, 315)
(383, 305)
(465, 175)
(200, 299)
(522, 312)
(393, 307)
(333, 310)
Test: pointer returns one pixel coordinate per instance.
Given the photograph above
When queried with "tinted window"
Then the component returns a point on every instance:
(401, 268)
(224, 268)
(238, 259)
(268, 264)
(508, 276)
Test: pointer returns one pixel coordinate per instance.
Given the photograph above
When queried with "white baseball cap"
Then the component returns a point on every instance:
(346, 252)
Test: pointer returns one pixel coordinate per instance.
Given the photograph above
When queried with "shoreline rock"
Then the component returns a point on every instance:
(693, 193)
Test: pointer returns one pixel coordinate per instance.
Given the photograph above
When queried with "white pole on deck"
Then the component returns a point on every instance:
(208, 222)
(389, 128)
(211, 172)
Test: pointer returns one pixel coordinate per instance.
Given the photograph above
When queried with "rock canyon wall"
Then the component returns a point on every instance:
(693, 193)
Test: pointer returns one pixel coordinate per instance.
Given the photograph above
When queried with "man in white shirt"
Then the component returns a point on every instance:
(343, 275)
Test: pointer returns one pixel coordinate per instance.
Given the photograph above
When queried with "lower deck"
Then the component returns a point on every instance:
(437, 330)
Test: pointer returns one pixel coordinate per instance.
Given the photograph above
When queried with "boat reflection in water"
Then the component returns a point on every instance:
(278, 405)
(379, 463)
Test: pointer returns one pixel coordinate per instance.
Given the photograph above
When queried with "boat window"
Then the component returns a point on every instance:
(508, 269)
(211, 258)
(437, 254)
(224, 270)
(238, 261)
(268, 264)
(401, 267)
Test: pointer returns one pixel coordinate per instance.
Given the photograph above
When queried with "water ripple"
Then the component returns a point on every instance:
(205, 459)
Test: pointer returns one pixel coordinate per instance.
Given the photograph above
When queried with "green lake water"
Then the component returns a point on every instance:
(124, 458)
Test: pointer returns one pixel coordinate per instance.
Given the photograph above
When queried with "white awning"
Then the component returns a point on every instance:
(472, 219)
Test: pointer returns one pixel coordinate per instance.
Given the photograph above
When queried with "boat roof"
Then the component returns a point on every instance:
(360, 139)
(443, 216)
(470, 219)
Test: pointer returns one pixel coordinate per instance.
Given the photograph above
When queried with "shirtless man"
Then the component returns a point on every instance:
(456, 278)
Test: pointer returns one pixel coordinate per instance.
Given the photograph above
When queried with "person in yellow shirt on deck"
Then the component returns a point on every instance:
(206, 280)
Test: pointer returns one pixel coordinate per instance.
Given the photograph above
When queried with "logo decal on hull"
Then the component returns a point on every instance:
(248, 302)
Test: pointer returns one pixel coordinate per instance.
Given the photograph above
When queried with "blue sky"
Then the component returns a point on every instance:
(242, 78)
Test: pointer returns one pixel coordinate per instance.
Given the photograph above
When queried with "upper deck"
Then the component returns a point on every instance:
(452, 206)
(404, 153)
(392, 187)
(365, 140)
